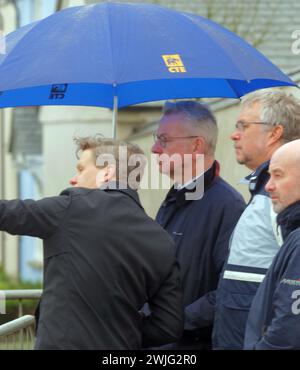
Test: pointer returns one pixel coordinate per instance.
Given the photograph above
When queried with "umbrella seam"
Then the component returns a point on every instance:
(111, 47)
(219, 45)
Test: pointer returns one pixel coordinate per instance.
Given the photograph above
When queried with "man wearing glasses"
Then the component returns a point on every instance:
(268, 119)
(199, 222)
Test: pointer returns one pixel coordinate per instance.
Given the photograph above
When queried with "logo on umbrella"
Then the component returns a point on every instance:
(174, 63)
(58, 91)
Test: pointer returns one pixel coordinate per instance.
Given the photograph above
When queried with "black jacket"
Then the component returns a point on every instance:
(201, 230)
(103, 259)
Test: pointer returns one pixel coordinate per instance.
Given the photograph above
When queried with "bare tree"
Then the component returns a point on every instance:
(252, 20)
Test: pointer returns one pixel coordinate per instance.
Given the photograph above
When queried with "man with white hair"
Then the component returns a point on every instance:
(268, 119)
(274, 318)
(200, 224)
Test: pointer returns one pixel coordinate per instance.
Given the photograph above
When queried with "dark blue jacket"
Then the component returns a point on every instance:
(274, 318)
(253, 245)
(201, 230)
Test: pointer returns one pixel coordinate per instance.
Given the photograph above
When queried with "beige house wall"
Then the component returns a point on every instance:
(69, 3)
(60, 126)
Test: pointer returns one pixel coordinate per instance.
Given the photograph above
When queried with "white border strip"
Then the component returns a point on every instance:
(243, 276)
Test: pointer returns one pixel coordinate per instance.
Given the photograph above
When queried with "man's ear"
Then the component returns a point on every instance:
(200, 145)
(110, 173)
(276, 134)
(105, 174)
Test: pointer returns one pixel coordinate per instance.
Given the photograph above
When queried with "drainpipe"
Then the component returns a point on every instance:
(15, 4)
(59, 5)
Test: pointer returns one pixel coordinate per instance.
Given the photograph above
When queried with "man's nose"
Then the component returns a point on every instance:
(156, 148)
(236, 135)
(73, 181)
(269, 186)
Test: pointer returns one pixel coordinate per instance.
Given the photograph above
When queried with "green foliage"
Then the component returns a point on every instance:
(8, 283)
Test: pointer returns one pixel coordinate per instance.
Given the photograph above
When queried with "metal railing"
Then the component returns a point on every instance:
(21, 295)
(19, 333)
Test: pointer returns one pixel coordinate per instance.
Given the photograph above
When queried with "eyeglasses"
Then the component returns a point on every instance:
(242, 125)
(163, 140)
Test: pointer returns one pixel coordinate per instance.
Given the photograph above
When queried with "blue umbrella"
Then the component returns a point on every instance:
(118, 54)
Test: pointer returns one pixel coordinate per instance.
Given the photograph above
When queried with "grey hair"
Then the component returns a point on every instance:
(127, 156)
(277, 108)
(200, 116)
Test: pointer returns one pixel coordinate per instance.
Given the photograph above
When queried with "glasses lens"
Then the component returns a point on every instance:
(240, 126)
(161, 139)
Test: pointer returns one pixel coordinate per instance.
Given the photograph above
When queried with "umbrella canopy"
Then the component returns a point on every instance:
(119, 54)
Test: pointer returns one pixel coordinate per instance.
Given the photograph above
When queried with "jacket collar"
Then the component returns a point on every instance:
(115, 186)
(258, 178)
(179, 195)
(289, 219)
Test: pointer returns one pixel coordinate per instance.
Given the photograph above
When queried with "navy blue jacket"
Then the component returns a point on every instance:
(253, 245)
(274, 318)
(201, 230)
